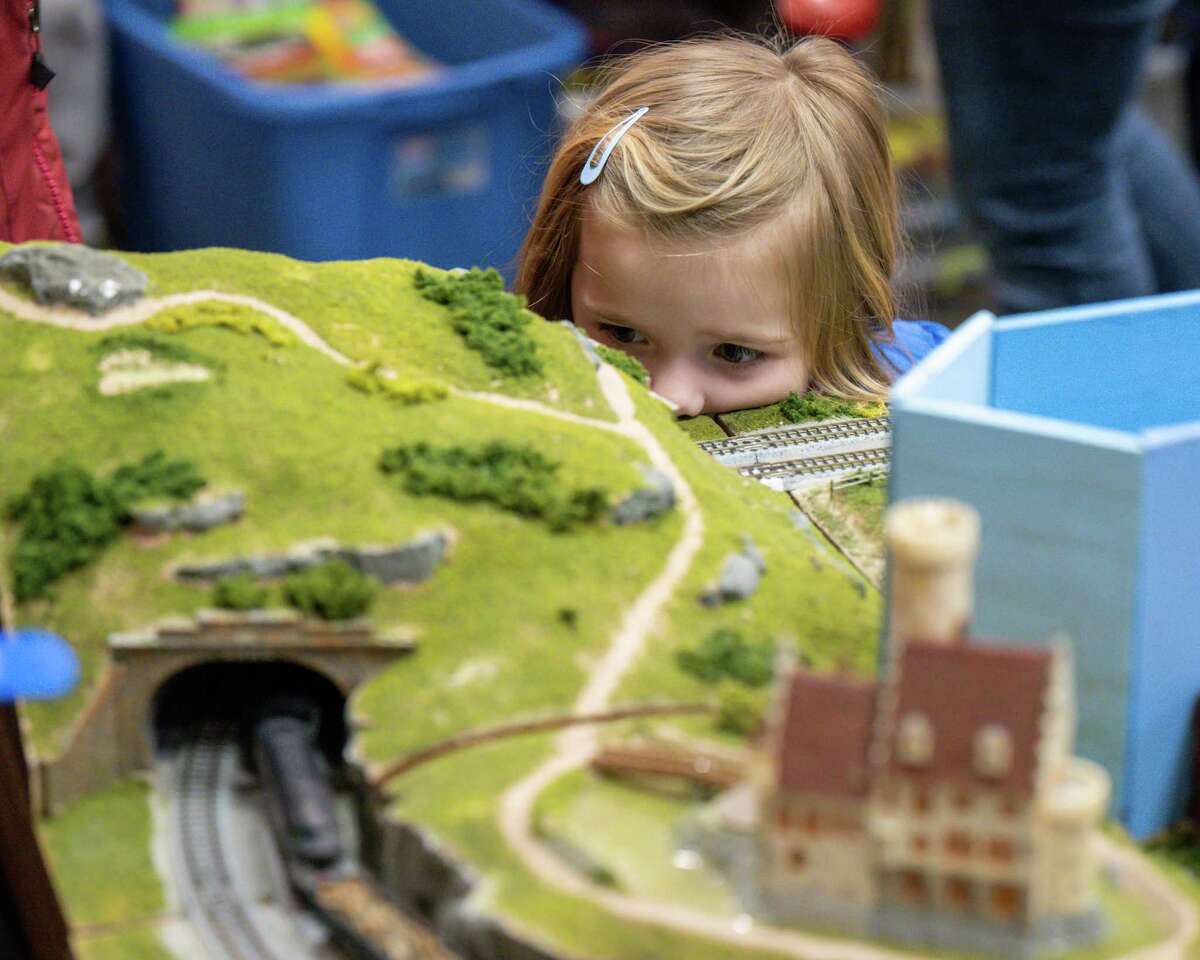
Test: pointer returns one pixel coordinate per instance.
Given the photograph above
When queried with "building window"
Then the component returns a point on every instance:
(1010, 804)
(1000, 850)
(993, 752)
(962, 799)
(812, 821)
(958, 893)
(914, 887)
(1006, 901)
(920, 843)
(958, 843)
(914, 740)
(797, 858)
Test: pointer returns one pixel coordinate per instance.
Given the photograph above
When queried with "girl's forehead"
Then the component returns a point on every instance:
(622, 264)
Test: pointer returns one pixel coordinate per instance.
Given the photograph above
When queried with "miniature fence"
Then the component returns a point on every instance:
(671, 760)
(502, 731)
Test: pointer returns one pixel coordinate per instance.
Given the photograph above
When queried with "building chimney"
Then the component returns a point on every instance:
(932, 546)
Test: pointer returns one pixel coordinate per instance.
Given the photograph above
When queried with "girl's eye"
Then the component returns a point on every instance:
(733, 353)
(623, 334)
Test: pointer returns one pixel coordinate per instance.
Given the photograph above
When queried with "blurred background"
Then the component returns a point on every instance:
(340, 129)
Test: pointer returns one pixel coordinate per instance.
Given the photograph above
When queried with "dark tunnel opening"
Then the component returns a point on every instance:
(238, 694)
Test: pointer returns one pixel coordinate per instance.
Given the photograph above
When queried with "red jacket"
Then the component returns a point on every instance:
(37, 202)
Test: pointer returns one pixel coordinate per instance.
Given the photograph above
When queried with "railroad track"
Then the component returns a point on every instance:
(751, 446)
(793, 474)
(221, 915)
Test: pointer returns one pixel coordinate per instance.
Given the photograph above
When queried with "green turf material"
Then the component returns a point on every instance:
(99, 851)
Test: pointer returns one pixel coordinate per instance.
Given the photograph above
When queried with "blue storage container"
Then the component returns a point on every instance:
(445, 171)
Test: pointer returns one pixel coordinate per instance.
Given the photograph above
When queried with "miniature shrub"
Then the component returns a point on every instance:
(332, 591)
(516, 478)
(239, 592)
(624, 362)
(229, 316)
(490, 321)
(726, 654)
(817, 406)
(68, 516)
(406, 390)
(155, 476)
(411, 391)
(739, 711)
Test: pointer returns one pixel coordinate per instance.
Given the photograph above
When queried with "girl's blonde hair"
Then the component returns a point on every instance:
(742, 134)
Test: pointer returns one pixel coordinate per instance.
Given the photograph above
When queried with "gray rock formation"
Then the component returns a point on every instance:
(740, 575)
(751, 552)
(202, 514)
(411, 562)
(652, 500)
(75, 276)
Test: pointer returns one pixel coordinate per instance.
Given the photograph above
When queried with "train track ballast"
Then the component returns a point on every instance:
(793, 474)
(735, 450)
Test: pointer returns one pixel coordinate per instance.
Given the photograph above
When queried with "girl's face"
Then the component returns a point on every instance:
(711, 325)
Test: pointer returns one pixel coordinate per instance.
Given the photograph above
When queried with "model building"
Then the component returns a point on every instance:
(940, 805)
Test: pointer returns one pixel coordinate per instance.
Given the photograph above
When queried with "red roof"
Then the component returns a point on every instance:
(825, 735)
(962, 689)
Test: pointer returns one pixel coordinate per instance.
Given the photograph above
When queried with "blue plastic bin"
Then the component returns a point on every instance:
(446, 171)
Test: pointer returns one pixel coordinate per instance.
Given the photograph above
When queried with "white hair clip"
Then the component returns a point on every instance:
(604, 146)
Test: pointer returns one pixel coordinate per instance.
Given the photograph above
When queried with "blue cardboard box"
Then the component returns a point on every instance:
(1076, 434)
(446, 170)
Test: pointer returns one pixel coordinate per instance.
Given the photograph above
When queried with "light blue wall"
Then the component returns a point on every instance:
(1059, 541)
(959, 370)
(1167, 672)
(1109, 367)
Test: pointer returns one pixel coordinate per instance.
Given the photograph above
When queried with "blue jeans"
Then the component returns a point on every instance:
(1077, 196)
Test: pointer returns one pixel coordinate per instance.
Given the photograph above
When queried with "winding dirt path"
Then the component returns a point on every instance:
(144, 309)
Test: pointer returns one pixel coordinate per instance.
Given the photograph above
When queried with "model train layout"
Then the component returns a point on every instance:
(402, 638)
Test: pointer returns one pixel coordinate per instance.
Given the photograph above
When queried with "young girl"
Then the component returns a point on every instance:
(726, 212)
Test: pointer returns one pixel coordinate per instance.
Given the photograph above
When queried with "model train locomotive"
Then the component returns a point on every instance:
(295, 778)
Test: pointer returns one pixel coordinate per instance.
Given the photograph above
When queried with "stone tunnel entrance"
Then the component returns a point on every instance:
(217, 665)
(236, 693)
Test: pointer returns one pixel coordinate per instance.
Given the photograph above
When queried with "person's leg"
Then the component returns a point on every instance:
(1034, 100)
(1166, 196)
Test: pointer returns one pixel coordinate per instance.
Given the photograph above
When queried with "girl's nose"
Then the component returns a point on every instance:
(683, 390)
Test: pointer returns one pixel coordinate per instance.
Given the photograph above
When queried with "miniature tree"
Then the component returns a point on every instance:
(515, 477)
(726, 654)
(331, 591)
(154, 476)
(490, 321)
(239, 592)
(68, 516)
